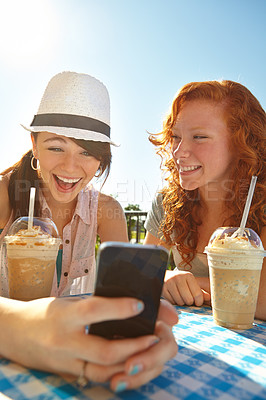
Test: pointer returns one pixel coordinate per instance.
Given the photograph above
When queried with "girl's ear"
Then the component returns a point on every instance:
(34, 147)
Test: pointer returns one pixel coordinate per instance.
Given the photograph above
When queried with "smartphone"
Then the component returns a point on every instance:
(130, 270)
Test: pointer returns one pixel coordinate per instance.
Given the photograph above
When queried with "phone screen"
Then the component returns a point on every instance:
(130, 270)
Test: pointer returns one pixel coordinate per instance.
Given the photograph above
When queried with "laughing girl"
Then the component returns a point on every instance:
(70, 146)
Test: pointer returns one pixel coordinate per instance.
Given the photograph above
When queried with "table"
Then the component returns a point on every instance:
(212, 363)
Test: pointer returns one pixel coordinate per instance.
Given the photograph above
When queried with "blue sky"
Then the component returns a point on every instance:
(143, 51)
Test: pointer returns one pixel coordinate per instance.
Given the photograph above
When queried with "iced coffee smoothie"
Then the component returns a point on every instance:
(31, 256)
(235, 264)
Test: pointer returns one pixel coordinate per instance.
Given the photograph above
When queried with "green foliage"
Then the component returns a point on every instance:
(97, 244)
(171, 263)
(132, 207)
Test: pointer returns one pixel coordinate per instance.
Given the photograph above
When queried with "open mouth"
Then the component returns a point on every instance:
(189, 168)
(66, 183)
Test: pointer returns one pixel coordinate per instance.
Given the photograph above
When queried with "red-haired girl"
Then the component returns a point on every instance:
(212, 142)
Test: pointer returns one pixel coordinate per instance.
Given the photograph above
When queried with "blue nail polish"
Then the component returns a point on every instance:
(156, 341)
(140, 306)
(134, 370)
(121, 386)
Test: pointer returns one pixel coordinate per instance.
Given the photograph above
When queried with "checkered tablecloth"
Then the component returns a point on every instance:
(212, 363)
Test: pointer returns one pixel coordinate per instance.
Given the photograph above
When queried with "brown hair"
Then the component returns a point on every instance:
(22, 176)
(246, 122)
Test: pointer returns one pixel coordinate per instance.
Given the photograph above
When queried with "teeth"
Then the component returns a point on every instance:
(66, 180)
(184, 169)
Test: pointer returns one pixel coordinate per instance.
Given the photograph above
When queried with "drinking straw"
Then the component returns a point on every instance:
(247, 205)
(31, 207)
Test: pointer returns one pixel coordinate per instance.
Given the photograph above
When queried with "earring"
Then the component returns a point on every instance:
(32, 165)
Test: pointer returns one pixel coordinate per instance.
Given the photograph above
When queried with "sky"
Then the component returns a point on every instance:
(144, 51)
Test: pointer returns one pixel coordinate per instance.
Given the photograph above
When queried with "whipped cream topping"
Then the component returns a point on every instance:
(34, 237)
(32, 243)
(34, 232)
(235, 243)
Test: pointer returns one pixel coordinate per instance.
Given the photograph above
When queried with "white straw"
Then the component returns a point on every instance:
(31, 207)
(247, 205)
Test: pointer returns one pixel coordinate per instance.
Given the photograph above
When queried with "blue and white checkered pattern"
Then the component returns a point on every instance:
(218, 363)
(212, 363)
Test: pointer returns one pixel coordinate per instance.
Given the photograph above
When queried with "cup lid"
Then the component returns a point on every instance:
(45, 226)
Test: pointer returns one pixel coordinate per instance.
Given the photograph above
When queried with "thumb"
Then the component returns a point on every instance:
(97, 309)
(206, 297)
(204, 283)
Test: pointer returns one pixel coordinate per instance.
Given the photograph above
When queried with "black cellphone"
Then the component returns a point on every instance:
(130, 270)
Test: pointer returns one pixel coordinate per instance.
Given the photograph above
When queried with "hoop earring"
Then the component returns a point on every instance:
(32, 165)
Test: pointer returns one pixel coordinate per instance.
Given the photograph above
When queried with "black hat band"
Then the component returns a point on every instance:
(71, 121)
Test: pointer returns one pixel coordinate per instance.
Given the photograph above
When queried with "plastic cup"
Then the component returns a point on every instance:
(235, 266)
(31, 258)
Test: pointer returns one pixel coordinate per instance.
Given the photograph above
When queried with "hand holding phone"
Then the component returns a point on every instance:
(130, 270)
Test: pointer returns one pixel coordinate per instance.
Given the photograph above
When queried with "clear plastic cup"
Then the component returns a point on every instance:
(31, 258)
(235, 265)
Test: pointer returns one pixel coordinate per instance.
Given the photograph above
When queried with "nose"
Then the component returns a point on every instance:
(69, 163)
(182, 149)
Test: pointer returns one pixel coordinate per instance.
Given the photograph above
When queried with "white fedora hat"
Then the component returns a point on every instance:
(74, 105)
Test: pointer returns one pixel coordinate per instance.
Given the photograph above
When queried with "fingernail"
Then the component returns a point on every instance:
(155, 341)
(138, 306)
(135, 369)
(120, 387)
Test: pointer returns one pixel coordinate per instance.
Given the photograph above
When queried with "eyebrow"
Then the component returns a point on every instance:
(55, 139)
(195, 128)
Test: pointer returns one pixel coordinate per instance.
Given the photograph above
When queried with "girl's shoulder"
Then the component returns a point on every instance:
(107, 204)
(111, 219)
(106, 201)
(5, 209)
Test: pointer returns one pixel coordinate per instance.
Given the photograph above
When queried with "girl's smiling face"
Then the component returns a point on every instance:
(65, 167)
(200, 145)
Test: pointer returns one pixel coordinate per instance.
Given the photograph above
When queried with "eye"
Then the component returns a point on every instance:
(175, 138)
(56, 149)
(86, 153)
(200, 137)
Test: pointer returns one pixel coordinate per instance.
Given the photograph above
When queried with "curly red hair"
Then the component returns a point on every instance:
(246, 122)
